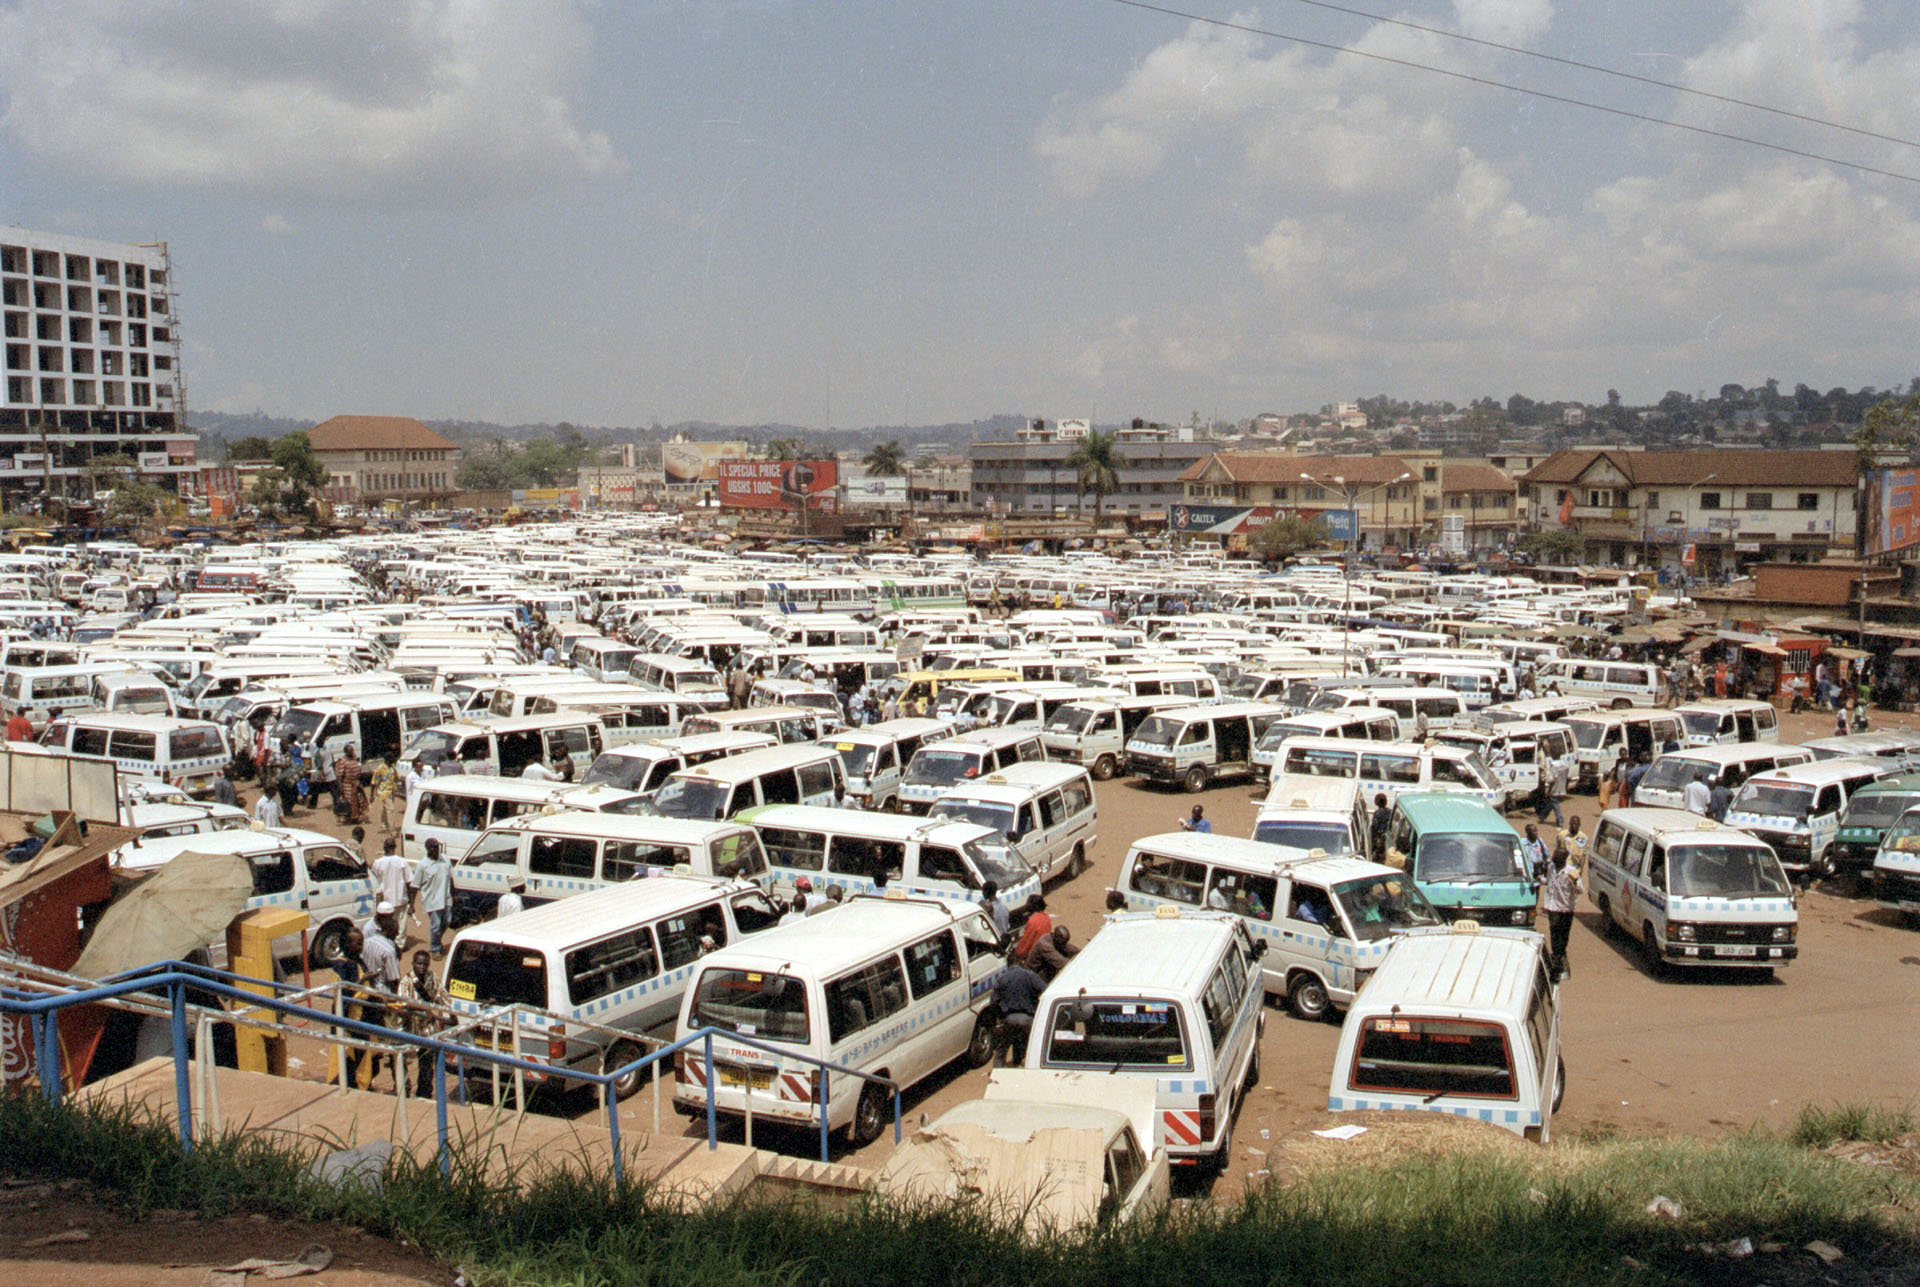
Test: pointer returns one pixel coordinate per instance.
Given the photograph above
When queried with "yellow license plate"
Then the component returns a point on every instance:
(744, 1077)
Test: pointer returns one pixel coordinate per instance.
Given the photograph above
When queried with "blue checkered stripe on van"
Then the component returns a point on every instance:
(616, 1000)
(1494, 1116)
(1677, 906)
(924, 1016)
(1182, 1086)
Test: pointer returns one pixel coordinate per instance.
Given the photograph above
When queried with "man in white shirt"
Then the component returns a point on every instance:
(538, 772)
(1698, 796)
(267, 809)
(510, 903)
(390, 881)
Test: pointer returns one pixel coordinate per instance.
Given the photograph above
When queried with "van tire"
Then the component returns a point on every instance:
(1656, 964)
(1195, 779)
(1621, 704)
(1560, 1082)
(1824, 867)
(1078, 863)
(1253, 1065)
(1606, 915)
(869, 1116)
(980, 1044)
(328, 942)
(1104, 768)
(1307, 997)
(625, 1052)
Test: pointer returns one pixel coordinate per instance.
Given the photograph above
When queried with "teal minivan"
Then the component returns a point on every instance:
(1463, 856)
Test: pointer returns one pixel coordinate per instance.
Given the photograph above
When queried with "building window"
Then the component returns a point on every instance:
(1709, 500)
(1653, 500)
(1431, 473)
(1313, 493)
(1759, 500)
(1453, 502)
(1809, 500)
(1432, 504)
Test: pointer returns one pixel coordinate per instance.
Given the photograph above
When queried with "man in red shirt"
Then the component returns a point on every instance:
(19, 728)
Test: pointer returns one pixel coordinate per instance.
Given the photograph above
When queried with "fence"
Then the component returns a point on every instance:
(41, 1000)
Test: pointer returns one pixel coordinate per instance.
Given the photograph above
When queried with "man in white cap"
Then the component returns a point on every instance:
(391, 884)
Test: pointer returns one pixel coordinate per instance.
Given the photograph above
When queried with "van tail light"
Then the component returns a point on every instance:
(556, 1043)
(1207, 1115)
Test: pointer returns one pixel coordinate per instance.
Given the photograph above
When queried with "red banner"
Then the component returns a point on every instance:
(779, 484)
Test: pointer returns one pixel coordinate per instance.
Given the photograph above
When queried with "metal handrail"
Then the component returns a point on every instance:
(175, 978)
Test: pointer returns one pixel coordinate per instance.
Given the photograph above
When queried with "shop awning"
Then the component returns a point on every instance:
(1895, 632)
(1906, 652)
(1698, 644)
(1765, 649)
(1847, 654)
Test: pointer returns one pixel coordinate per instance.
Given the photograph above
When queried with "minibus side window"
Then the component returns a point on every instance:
(1242, 893)
(569, 857)
(1657, 868)
(1218, 1006)
(690, 935)
(816, 779)
(1174, 879)
(1376, 767)
(940, 862)
(128, 745)
(89, 741)
(1538, 1022)
(628, 859)
(1052, 810)
(800, 850)
(503, 810)
(753, 912)
(863, 998)
(1030, 750)
(272, 873)
(780, 787)
(1078, 796)
(1634, 855)
(611, 964)
(858, 856)
(932, 963)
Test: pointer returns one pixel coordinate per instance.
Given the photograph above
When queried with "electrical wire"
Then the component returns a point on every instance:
(1491, 83)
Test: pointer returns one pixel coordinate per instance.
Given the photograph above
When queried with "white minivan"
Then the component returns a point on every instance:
(810, 774)
(1692, 891)
(1045, 811)
(618, 958)
(1172, 996)
(876, 757)
(892, 987)
(927, 857)
(457, 810)
(1797, 809)
(1327, 922)
(1463, 1021)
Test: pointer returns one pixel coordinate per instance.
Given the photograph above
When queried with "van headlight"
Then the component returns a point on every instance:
(1783, 933)
(1683, 933)
(1522, 916)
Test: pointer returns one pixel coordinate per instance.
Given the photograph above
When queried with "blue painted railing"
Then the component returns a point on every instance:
(175, 979)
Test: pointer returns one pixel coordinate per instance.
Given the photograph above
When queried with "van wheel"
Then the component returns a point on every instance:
(1222, 1156)
(1103, 768)
(1606, 914)
(1656, 963)
(980, 1044)
(1307, 997)
(1560, 1082)
(1253, 1066)
(1079, 862)
(1195, 780)
(1824, 866)
(625, 1052)
(1620, 704)
(869, 1116)
(328, 943)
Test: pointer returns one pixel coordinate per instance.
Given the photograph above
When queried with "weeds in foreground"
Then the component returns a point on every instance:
(1493, 1219)
(1818, 1126)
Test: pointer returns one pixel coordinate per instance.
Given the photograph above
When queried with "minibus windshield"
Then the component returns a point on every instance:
(1299, 834)
(1470, 857)
(1587, 734)
(1379, 905)
(1725, 871)
(942, 768)
(982, 813)
(1702, 723)
(1774, 800)
(753, 1003)
(1159, 731)
(1070, 719)
(701, 799)
(497, 974)
(1878, 808)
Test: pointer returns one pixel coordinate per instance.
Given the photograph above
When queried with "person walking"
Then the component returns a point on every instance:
(323, 777)
(223, 789)
(347, 778)
(391, 882)
(1561, 895)
(380, 983)
(346, 967)
(1552, 789)
(385, 778)
(432, 882)
(420, 992)
(267, 807)
(1534, 850)
(1197, 821)
(1697, 797)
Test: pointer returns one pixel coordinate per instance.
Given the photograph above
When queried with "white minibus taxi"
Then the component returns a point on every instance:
(926, 857)
(560, 855)
(646, 766)
(1664, 784)
(1605, 738)
(1692, 891)
(1373, 723)
(1045, 811)
(778, 775)
(1094, 731)
(1174, 996)
(1463, 1021)
(188, 754)
(456, 810)
(617, 958)
(893, 987)
(1327, 922)
(876, 757)
(1797, 809)
(951, 760)
(1728, 719)
(1328, 814)
(1383, 768)
(1193, 745)
(1617, 684)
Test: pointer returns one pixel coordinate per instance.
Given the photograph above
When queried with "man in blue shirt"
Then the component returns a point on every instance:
(1197, 821)
(1017, 994)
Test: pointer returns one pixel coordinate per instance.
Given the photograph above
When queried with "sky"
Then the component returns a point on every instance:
(841, 214)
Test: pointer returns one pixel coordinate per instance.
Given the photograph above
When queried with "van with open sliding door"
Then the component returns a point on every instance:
(1192, 746)
(1719, 720)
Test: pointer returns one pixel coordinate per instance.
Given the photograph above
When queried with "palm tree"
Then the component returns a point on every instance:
(1098, 464)
(784, 449)
(885, 460)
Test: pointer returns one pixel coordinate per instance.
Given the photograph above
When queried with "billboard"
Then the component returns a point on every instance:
(779, 484)
(874, 490)
(688, 463)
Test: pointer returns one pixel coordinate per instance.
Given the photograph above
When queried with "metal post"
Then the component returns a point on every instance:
(182, 1089)
(896, 1114)
(49, 1061)
(613, 1129)
(823, 1113)
(440, 1108)
(713, 1127)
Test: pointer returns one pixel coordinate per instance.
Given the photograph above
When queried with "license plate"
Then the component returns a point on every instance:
(1747, 950)
(743, 1077)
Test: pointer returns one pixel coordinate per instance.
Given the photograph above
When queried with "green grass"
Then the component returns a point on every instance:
(1817, 1126)
(1493, 1218)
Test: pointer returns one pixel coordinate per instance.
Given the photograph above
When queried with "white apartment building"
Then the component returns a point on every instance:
(92, 362)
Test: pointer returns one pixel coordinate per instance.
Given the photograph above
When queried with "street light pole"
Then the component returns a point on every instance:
(1351, 495)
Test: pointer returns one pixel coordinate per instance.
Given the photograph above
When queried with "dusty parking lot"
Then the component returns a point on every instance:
(1699, 1052)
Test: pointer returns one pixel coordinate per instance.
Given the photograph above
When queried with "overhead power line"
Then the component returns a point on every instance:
(1492, 83)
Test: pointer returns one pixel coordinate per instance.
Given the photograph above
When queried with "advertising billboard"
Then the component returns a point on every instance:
(891, 490)
(779, 484)
(688, 463)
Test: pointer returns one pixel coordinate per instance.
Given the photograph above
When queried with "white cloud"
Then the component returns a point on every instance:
(1397, 252)
(409, 102)
(276, 224)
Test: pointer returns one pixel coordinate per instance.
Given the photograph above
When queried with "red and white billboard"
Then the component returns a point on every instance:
(779, 484)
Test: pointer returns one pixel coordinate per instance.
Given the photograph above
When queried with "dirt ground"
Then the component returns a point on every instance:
(1698, 1052)
(176, 1248)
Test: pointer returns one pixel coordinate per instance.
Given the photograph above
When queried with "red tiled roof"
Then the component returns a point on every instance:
(1276, 467)
(376, 433)
(1731, 466)
(1474, 478)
